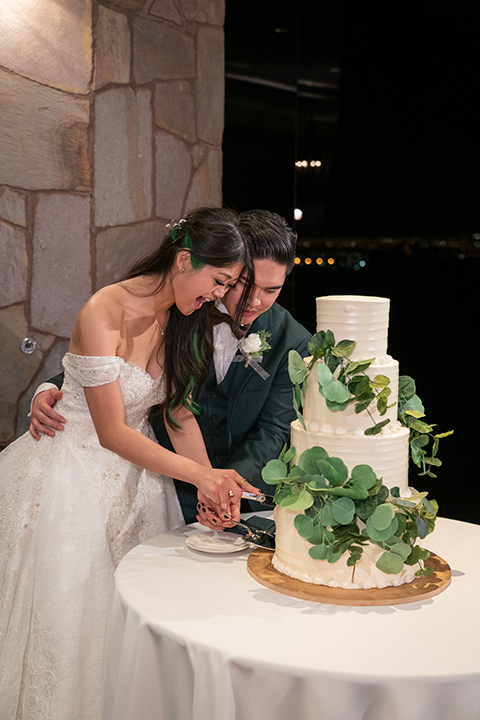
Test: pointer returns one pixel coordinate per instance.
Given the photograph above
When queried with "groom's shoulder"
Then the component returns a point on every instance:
(279, 321)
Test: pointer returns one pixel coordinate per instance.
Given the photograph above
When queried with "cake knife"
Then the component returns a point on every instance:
(262, 498)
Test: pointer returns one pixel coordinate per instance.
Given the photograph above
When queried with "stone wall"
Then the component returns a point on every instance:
(111, 125)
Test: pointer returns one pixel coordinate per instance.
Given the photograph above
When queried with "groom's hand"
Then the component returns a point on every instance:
(44, 419)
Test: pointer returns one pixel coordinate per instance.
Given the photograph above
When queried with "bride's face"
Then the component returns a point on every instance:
(194, 287)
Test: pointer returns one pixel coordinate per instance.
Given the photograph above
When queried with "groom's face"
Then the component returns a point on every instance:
(269, 279)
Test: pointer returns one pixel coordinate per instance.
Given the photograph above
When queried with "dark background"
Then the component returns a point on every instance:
(383, 94)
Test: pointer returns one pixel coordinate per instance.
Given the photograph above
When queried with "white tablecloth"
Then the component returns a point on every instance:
(194, 637)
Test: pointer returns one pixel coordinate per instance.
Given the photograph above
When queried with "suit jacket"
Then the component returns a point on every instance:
(245, 420)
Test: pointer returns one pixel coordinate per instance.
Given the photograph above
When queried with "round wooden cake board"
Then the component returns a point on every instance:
(261, 569)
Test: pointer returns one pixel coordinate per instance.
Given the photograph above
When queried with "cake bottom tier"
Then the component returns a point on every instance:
(387, 454)
(291, 558)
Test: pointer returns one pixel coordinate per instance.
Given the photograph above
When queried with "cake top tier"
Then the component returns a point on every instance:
(361, 318)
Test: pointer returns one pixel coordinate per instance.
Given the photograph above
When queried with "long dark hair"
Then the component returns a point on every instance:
(213, 237)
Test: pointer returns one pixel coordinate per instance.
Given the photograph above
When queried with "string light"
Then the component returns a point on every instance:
(303, 164)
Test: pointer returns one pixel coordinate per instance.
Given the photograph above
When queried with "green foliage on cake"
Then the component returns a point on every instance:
(343, 382)
(340, 512)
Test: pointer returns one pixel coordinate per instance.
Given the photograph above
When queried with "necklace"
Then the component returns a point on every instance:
(151, 309)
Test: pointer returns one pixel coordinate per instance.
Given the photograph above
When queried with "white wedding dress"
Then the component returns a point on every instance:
(69, 511)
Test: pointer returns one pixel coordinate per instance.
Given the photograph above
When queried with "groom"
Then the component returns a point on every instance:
(246, 410)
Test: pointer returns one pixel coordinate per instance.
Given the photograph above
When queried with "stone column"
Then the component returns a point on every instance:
(110, 126)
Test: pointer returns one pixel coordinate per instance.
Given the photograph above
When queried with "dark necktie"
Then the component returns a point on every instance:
(217, 317)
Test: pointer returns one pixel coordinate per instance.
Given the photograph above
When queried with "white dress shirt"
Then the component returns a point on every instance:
(225, 345)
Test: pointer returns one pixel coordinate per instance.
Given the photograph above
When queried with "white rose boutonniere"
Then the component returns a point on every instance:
(252, 348)
(251, 343)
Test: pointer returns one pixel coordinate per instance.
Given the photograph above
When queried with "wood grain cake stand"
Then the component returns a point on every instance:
(261, 569)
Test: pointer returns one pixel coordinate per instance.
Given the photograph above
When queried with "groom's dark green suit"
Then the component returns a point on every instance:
(245, 420)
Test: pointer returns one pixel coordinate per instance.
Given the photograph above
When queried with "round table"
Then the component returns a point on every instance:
(194, 637)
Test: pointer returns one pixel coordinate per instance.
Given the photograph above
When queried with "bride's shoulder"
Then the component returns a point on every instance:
(110, 300)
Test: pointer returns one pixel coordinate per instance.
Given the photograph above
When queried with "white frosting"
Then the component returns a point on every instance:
(341, 434)
(356, 317)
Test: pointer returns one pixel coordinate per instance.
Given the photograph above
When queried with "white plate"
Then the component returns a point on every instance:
(216, 542)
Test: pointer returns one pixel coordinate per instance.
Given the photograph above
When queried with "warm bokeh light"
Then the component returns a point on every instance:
(308, 261)
(297, 261)
(330, 261)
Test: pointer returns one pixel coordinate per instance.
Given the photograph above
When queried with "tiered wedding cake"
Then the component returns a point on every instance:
(341, 434)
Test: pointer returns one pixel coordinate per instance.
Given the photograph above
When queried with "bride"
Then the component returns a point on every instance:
(73, 505)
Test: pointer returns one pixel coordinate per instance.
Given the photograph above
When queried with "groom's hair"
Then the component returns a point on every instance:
(269, 237)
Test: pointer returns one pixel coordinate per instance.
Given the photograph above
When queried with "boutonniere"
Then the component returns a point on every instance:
(252, 348)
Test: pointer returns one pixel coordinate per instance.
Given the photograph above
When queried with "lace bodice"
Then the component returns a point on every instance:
(139, 390)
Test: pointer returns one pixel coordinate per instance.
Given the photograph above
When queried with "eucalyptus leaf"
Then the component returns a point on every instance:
(336, 407)
(274, 472)
(406, 503)
(420, 441)
(445, 434)
(318, 552)
(324, 374)
(381, 535)
(380, 381)
(295, 475)
(377, 428)
(296, 367)
(343, 510)
(357, 366)
(317, 342)
(401, 549)
(329, 341)
(422, 527)
(406, 387)
(326, 516)
(334, 469)
(304, 525)
(289, 454)
(365, 475)
(383, 516)
(415, 404)
(301, 501)
(333, 555)
(308, 460)
(390, 563)
(336, 391)
(344, 348)
(356, 491)
(316, 482)
(428, 506)
(297, 404)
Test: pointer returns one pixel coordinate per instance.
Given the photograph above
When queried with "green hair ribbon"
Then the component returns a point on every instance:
(196, 263)
(187, 243)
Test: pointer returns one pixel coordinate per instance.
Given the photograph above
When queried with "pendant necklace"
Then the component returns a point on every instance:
(152, 311)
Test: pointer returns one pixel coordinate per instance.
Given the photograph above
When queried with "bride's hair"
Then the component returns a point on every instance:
(213, 237)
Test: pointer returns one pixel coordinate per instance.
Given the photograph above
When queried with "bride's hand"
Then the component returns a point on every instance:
(207, 516)
(222, 490)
